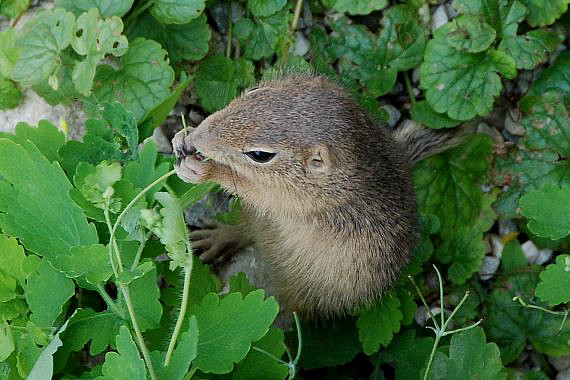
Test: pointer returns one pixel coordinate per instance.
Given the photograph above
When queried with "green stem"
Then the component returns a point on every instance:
(299, 338)
(136, 199)
(230, 26)
(109, 301)
(181, 314)
(431, 355)
(409, 89)
(140, 250)
(138, 333)
(428, 309)
(442, 313)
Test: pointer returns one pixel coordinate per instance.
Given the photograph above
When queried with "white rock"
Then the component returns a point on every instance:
(422, 316)
(489, 267)
(534, 255)
(439, 17)
(560, 363)
(302, 45)
(416, 75)
(451, 12)
(496, 245)
(564, 375)
(507, 227)
(512, 124)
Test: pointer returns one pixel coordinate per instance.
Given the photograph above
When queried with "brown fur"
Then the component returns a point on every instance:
(334, 235)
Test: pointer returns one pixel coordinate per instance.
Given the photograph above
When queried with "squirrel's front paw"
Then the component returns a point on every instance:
(189, 162)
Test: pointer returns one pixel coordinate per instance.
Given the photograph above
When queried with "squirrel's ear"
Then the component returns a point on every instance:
(320, 161)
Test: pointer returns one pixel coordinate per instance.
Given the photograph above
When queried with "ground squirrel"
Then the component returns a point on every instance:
(327, 191)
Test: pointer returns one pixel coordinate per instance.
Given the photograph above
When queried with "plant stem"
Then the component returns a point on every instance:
(135, 200)
(409, 89)
(296, 15)
(230, 26)
(432, 355)
(140, 249)
(181, 314)
(138, 333)
(109, 301)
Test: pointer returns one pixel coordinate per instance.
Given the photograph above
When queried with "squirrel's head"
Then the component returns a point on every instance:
(296, 140)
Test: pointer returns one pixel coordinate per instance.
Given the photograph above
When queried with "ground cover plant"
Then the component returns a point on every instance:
(97, 276)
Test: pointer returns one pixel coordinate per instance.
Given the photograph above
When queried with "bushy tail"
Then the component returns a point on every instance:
(421, 142)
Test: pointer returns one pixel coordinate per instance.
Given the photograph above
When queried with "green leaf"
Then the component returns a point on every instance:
(359, 7)
(184, 42)
(470, 357)
(87, 326)
(10, 94)
(6, 341)
(96, 183)
(464, 249)
(145, 297)
(156, 116)
(9, 51)
(511, 325)
(46, 36)
(403, 347)
(43, 367)
(512, 257)
(541, 13)
(171, 229)
(256, 363)
(128, 276)
(377, 325)
(90, 262)
(503, 16)
(547, 126)
(126, 363)
(98, 144)
(65, 93)
(107, 8)
(331, 345)
(240, 283)
(548, 211)
(177, 11)
(265, 8)
(423, 114)
(13, 8)
(36, 207)
(228, 327)
(531, 49)
(145, 170)
(141, 83)
(447, 184)
(218, 80)
(261, 39)
(460, 83)
(556, 77)
(123, 123)
(470, 34)
(46, 137)
(12, 261)
(45, 303)
(95, 38)
(554, 285)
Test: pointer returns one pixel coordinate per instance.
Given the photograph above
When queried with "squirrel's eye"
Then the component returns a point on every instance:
(260, 156)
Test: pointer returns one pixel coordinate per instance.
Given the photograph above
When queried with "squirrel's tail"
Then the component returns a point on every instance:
(421, 142)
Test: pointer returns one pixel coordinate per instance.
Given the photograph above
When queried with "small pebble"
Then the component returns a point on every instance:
(416, 75)
(496, 245)
(534, 255)
(439, 17)
(512, 124)
(564, 375)
(393, 115)
(451, 12)
(507, 227)
(560, 363)
(489, 267)
(302, 45)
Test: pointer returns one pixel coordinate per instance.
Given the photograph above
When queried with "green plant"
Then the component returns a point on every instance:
(97, 275)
